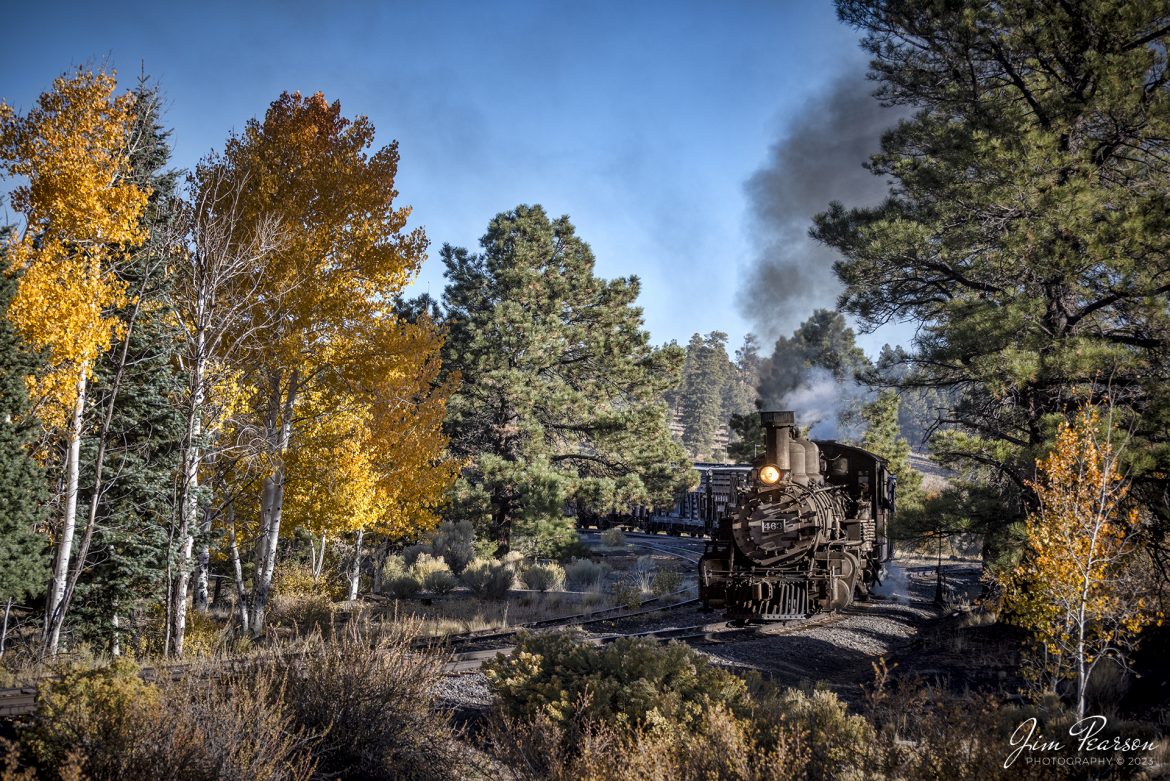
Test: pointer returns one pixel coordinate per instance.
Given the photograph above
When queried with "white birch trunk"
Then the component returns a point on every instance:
(54, 617)
(4, 631)
(318, 557)
(356, 571)
(189, 499)
(280, 422)
(237, 570)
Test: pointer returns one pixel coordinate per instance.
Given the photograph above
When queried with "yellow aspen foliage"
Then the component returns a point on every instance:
(344, 244)
(79, 211)
(1082, 587)
(373, 458)
(319, 336)
(331, 486)
(409, 405)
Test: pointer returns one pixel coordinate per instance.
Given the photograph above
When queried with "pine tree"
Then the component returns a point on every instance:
(561, 395)
(815, 371)
(707, 380)
(1027, 227)
(23, 555)
(137, 384)
(884, 438)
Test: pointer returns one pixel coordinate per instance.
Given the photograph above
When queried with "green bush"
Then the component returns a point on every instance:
(627, 593)
(666, 581)
(545, 536)
(488, 578)
(403, 586)
(439, 582)
(613, 538)
(630, 682)
(584, 574)
(545, 577)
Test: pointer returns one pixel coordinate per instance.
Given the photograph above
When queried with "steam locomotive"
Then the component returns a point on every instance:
(806, 530)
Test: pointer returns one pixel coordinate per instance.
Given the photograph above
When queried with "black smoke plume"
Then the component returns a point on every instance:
(819, 159)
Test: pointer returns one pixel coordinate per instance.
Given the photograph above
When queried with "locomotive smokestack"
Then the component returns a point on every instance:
(777, 437)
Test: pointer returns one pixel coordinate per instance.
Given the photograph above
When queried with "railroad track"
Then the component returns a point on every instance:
(697, 634)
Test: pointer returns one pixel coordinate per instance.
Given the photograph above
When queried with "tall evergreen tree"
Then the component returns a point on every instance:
(883, 437)
(921, 406)
(815, 371)
(23, 555)
(137, 386)
(561, 395)
(1027, 229)
(708, 378)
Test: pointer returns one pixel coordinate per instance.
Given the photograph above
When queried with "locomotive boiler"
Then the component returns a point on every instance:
(806, 532)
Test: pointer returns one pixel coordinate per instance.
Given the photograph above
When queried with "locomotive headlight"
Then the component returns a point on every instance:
(769, 475)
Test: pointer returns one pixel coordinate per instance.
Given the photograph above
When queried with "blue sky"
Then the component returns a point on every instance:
(640, 120)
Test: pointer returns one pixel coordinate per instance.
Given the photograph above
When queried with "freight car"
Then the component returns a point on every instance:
(806, 532)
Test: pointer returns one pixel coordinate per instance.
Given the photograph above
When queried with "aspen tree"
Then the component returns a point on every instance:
(346, 252)
(212, 296)
(1081, 587)
(79, 210)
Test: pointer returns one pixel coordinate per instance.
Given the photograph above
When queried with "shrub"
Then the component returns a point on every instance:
(96, 713)
(454, 541)
(635, 585)
(124, 728)
(296, 580)
(545, 536)
(613, 538)
(585, 574)
(666, 581)
(303, 612)
(488, 578)
(575, 550)
(439, 582)
(372, 697)
(840, 744)
(403, 586)
(451, 541)
(720, 746)
(411, 553)
(235, 728)
(545, 577)
(425, 564)
(204, 636)
(631, 682)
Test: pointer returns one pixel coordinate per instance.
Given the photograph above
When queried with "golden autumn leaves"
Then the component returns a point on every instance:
(301, 376)
(1081, 587)
(79, 210)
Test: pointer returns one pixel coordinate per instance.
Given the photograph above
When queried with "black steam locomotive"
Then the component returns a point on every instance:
(806, 532)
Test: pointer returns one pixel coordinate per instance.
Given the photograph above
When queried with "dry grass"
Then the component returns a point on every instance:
(371, 697)
(470, 614)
